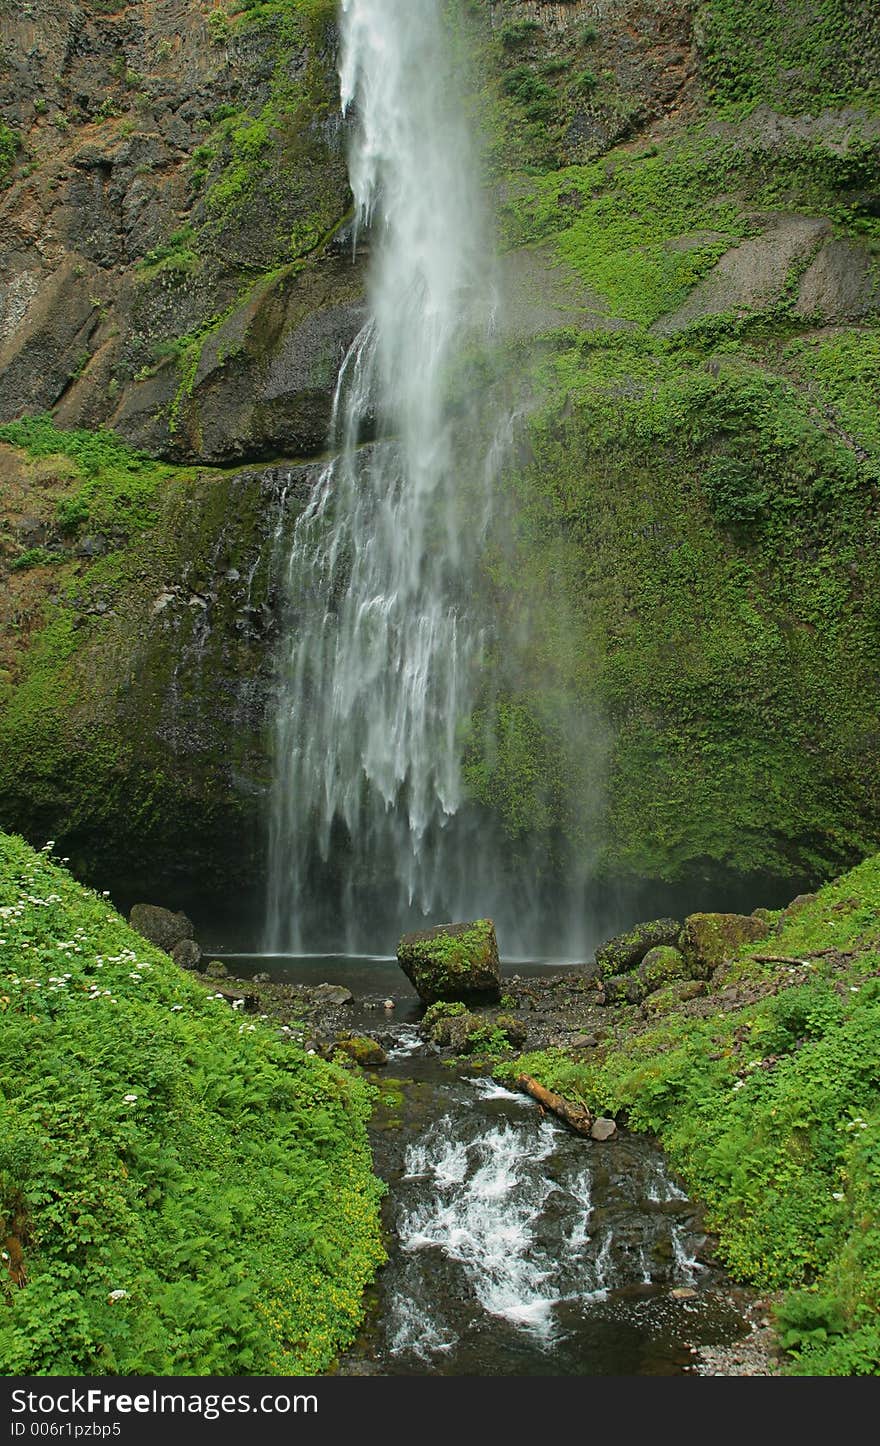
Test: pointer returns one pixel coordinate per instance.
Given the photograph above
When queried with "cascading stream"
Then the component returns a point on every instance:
(383, 637)
(520, 1248)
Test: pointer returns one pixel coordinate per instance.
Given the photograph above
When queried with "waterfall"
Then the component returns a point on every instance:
(383, 636)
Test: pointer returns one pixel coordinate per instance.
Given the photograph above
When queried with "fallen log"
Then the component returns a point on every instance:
(801, 958)
(576, 1116)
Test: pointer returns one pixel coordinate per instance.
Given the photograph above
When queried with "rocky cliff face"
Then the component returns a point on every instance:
(177, 177)
(686, 672)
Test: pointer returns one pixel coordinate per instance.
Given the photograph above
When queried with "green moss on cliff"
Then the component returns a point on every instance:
(696, 547)
(693, 534)
(116, 486)
(798, 57)
(137, 711)
(276, 158)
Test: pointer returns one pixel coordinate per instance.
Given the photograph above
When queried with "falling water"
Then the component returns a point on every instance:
(383, 630)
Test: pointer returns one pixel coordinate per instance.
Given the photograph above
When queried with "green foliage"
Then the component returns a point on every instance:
(802, 56)
(517, 32)
(488, 1045)
(613, 225)
(175, 257)
(534, 95)
(34, 557)
(771, 1112)
(10, 143)
(189, 1194)
(116, 485)
(585, 83)
(696, 547)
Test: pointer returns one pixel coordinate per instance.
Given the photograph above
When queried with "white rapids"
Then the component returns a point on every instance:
(505, 1217)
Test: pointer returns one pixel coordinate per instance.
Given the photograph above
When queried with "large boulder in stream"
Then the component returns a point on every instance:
(453, 961)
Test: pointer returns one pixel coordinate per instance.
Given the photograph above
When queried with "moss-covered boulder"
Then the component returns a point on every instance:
(513, 1029)
(624, 989)
(435, 1020)
(361, 1049)
(465, 1032)
(453, 961)
(663, 964)
(670, 996)
(187, 953)
(625, 951)
(707, 939)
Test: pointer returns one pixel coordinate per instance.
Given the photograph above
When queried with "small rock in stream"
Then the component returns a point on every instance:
(333, 994)
(603, 1129)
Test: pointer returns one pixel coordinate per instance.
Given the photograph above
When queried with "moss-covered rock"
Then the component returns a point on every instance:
(670, 996)
(162, 927)
(133, 727)
(464, 1032)
(624, 989)
(707, 939)
(513, 1029)
(625, 951)
(662, 965)
(435, 1021)
(452, 961)
(361, 1049)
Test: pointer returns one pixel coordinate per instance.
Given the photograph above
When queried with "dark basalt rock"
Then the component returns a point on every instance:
(187, 953)
(160, 926)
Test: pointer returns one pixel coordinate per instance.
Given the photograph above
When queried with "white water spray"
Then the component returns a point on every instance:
(384, 637)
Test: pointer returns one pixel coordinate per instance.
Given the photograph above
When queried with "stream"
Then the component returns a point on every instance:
(515, 1246)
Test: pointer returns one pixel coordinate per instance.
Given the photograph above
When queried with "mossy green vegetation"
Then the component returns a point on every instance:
(10, 144)
(118, 678)
(275, 154)
(694, 539)
(767, 1100)
(180, 1191)
(115, 486)
(175, 257)
(797, 57)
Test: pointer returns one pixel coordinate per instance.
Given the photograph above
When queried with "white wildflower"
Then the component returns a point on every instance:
(118, 1295)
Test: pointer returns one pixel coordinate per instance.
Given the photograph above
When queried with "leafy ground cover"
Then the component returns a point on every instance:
(181, 1192)
(114, 486)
